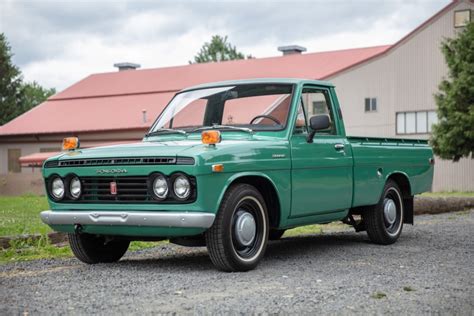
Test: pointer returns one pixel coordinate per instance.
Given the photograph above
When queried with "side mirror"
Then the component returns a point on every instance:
(317, 123)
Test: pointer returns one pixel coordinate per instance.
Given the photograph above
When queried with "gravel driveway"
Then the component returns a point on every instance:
(429, 270)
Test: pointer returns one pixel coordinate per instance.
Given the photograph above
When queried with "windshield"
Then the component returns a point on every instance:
(249, 106)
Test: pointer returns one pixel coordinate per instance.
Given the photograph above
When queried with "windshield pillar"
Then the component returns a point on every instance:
(214, 111)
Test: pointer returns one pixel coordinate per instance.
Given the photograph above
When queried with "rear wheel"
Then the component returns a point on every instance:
(238, 238)
(385, 222)
(95, 249)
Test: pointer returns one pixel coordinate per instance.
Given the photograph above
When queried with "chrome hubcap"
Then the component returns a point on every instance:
(245, 228)
(390, 211)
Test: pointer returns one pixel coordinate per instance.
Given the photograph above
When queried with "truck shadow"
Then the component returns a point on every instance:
(314, 244)
(176, 258)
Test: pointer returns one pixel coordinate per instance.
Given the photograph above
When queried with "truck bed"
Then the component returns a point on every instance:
(377, 158)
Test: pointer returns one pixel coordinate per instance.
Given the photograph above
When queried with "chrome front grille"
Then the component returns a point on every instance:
(128, 189)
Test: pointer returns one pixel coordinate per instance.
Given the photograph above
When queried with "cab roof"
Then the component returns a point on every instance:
(258, 81)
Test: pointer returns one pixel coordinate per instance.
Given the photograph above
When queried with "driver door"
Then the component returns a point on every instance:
(321, 170)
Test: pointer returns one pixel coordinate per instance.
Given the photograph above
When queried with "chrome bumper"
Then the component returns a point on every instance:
(121, 218)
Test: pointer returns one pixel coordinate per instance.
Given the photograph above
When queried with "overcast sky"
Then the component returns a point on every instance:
(57, 43)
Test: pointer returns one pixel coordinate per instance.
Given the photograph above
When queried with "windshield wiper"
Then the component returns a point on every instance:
(243, 129)
(166, 131)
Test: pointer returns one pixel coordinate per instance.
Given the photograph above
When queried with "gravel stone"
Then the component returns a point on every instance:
(333, 273)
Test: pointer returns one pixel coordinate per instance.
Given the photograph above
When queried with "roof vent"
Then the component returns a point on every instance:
(291, 49)
(126, 66)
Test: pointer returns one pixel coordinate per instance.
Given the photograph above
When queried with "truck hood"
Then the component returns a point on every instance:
(237, 149)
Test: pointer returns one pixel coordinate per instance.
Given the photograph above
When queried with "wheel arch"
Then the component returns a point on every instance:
(266, 186)
(403, 182)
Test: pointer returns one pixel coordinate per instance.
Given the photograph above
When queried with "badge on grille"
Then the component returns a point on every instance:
(113, 188)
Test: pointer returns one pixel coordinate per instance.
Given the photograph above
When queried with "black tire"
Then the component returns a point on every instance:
(224, 245)
(380, 228)
(275, 234)
(94, 249)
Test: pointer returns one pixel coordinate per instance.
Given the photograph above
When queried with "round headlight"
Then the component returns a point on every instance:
(57, 188)
(182, 187)
(160, 187)
(75, 187)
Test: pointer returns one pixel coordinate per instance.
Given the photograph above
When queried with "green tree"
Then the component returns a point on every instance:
(453, 135)
(10, 83)
(219, 49)
(16, 97)
(34, 94)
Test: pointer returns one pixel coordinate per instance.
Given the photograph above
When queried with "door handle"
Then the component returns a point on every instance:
(339, 147)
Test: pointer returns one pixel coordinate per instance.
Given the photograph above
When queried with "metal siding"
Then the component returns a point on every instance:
(354, 86)
(453, 176)
(404, 79)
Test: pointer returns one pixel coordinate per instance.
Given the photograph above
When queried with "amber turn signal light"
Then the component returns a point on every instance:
(218, 168)
(70, 143)
(211, 137)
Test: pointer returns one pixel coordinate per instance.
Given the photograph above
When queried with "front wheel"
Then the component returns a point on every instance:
(95, 249)
(238, 238)
(385, 222)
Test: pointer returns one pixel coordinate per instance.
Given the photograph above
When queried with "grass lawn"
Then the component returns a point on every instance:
(317, 229)
(448, 194)
(20, 215)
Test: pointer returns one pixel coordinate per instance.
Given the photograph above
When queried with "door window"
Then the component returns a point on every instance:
(314, 101)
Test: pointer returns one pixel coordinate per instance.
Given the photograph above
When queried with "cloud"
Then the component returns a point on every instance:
(58, 43)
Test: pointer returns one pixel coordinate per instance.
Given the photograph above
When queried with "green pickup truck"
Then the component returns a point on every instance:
(229, 166)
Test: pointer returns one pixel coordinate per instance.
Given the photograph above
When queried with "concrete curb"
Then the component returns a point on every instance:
(436, 205)
(53, 237)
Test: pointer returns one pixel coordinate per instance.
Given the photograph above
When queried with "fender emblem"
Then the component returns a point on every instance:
(278, 156)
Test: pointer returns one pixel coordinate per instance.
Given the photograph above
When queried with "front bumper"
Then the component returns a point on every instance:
(125, 218)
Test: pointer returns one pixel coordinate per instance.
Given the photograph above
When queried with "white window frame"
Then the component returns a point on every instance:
(418, 131)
